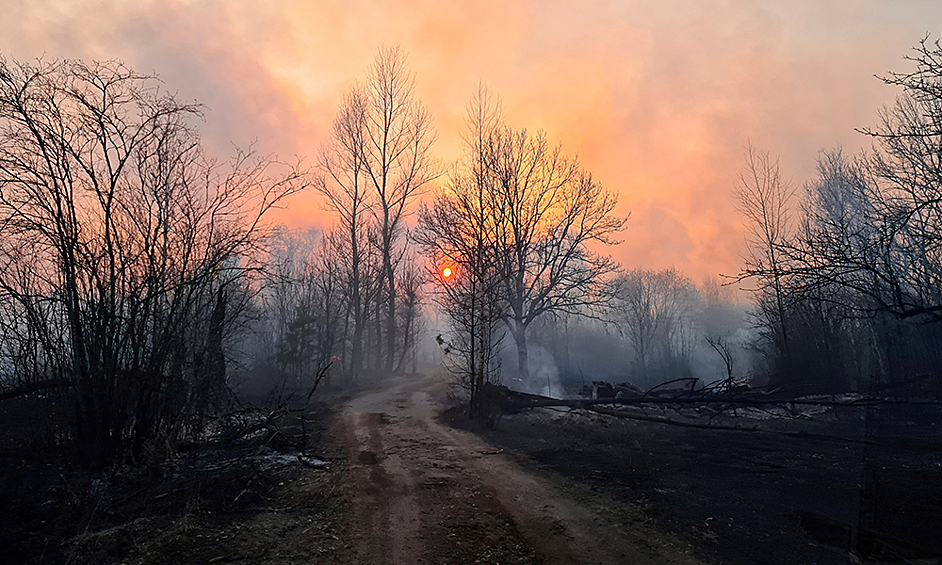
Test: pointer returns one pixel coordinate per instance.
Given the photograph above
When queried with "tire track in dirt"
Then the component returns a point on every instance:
(426, 493)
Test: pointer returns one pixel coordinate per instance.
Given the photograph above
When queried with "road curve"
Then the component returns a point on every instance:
(426, 493)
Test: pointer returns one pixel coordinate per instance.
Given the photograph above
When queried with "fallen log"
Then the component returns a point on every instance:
(672, 422)
(35, 387)
(515, 400)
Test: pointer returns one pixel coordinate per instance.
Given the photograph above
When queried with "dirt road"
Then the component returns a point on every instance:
(427, 493)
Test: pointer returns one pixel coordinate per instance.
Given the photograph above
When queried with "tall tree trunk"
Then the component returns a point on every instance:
(391, 313)
(367, 336)
(356, 346)
(474, 368)
(347, 371)
(377, 320)
(356, 362)
(407, 341)
(523, 361)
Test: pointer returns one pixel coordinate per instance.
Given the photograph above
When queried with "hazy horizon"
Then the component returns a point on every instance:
(657, 99)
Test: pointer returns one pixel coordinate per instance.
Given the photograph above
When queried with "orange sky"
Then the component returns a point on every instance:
(657, 98)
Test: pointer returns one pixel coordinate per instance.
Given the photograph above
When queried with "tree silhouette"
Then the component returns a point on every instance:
(122, 246)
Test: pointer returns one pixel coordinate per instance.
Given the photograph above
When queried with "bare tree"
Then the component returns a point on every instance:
(723, 348)
(410, 312)
(853, 266)
(303, 302)
(550, 210)
(343, 184)
(396, 157)
(377, 163)
(862, 272)
(138, 245)
(654, 310)
(457, 230)
(519, 215)
(876, 225)
(764, 200)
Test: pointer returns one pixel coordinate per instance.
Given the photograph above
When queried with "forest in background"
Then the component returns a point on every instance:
(144, 297)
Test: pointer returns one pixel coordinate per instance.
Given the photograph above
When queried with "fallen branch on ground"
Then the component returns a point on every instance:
(663, 420)
(521, 400)
(35, 387)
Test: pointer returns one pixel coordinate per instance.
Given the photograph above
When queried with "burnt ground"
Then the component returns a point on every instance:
(401, 488)
(423, 492)
(238, 504)
(544, 487)
(856, 485)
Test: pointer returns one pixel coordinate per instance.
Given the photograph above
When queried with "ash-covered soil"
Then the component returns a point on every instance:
(862, 485)
(401, 488)
(249, 505)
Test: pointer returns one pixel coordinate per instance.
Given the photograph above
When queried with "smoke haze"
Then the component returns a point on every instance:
(658, 99)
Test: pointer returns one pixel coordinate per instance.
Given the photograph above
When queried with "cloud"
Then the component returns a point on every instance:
(658, 99)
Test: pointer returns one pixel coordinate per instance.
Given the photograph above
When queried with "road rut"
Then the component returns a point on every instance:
(426, 493)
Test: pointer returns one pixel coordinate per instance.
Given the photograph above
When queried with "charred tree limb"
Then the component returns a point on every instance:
(516, 401)
(664, 420)
(520, 400)
(35, 387)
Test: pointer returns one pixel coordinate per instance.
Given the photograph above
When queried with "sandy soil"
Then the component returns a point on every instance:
(423, 492)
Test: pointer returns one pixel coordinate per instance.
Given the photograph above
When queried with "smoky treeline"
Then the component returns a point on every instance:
(147, 301)
(126, 254)
(847, 268)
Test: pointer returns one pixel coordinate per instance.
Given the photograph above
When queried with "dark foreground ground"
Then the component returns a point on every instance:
(860, 486)
(402, 488)
(238, 504)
